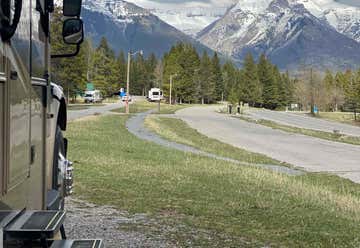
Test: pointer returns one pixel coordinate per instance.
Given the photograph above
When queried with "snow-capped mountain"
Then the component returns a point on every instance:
(130, 27)
(120, 10)
(344, 18)
(190, 20)
(287, 32)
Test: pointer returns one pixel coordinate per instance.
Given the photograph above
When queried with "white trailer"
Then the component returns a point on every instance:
(155, 94)
(93, 96)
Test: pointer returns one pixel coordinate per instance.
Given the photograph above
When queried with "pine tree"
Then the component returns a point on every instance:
(216, 78)
(171, 68)
(281, 88)
(121, 69)
(206, 85)
(70, 73)
(105, 70)
(268, 83)
(289, 88)
(352, 92)
(253, 89)
(228, 78)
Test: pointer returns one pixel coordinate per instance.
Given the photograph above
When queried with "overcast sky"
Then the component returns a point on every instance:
(350, 2)
(205, 3)
(182, 3)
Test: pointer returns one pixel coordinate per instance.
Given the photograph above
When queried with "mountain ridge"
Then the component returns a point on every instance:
(130, 27)
(286, 32)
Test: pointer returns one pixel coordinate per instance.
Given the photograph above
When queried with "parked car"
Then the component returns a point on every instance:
(123, 98)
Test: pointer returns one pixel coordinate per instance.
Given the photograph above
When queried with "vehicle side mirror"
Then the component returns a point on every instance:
(72, 8)
(73, 31)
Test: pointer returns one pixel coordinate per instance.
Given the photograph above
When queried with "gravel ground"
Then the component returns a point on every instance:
(120, 229)
(117, 228)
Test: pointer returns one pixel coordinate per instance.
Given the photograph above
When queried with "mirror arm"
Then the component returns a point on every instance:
(69, 55)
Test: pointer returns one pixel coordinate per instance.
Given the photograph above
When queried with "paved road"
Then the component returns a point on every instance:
(303, 121)
(77, 114)
(136, 126)
(311, 154)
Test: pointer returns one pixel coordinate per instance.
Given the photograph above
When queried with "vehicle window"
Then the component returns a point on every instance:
(2, 99)
(37, 43)
(155, 93)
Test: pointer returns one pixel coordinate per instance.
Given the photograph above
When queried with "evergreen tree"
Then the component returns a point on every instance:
(268, 83)
(289, 88)
(281, 88)
(216, 78)
(121, 69)
(70, 73)
(251, 81)
(105, 70)
(206, 85)
(352, 92)
(228, 78)
(171, 67)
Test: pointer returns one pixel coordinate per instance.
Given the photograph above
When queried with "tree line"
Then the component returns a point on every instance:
(202, 77)
(329, 91)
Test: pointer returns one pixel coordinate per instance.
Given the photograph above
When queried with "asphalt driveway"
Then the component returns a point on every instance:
(311, 154)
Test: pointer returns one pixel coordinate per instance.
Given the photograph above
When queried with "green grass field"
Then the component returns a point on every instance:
(74, 107)
(178, 131)
(143, 106)
(347, 118)
(353, 140)
(236, 206)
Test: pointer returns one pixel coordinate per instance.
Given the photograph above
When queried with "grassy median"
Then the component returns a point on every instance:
(344, 117)
(234, 206)
(178, 131)
(337, 137)
(143, 106)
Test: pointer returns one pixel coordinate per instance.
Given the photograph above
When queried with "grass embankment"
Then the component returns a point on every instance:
(74, 107)
(178, 131)
(210, 203)
(337, 137)
(143, 106)
(344, 117)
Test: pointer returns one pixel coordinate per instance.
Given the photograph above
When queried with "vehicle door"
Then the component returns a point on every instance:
(16, 114)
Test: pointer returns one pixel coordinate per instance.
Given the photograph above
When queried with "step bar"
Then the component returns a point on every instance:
(34, 225)
(40, 227)
(96, 243)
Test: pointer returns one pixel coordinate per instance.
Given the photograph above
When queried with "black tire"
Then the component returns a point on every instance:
(59, 147)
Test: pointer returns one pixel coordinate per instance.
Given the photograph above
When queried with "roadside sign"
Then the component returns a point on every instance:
(316, 110)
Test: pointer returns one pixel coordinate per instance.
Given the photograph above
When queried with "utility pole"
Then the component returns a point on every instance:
(171, 79)
(127, 109)
(128, 84)
(312, 88)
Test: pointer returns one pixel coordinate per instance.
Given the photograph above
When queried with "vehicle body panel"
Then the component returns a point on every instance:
(155, 94)
(27, 130)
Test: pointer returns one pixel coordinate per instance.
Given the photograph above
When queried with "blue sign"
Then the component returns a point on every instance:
(122, 94)
(316, 110)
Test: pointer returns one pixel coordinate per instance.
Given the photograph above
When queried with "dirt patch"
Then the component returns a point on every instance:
(116, 228)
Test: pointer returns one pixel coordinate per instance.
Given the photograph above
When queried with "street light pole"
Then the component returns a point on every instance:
(128, 84)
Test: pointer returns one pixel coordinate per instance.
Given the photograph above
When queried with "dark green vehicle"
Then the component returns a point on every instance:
(35, 175)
